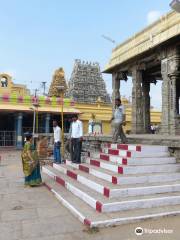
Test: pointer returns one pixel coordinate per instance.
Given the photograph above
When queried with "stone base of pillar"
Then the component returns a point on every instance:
(138, 129)
(164, 129)
(19, 144)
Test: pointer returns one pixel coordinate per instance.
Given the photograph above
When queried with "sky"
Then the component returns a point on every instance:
(39, 36)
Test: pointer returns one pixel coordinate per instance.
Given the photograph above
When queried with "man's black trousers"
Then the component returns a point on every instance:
(76, 145)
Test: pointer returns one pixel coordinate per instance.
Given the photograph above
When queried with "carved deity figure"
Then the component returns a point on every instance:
(4, 82)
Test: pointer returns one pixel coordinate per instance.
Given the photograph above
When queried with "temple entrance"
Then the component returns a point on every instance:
(7, 130)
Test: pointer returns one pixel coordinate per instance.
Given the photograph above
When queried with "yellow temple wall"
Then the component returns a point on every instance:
(103, 113)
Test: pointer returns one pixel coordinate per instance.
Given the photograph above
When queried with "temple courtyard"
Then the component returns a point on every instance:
(34, 213)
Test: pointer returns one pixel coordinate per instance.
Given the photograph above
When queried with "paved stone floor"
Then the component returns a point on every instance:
(34, 214)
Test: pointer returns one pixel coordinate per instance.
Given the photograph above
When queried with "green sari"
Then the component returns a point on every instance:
(31, 167)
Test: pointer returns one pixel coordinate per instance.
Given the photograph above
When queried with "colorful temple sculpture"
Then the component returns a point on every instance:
(57, 82)
(86, 84)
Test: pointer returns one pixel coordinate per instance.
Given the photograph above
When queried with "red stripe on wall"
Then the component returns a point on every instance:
(60, 181)
(124, 161)
(138, 148)
(99, 206)
(95, 163)
(84, 168)
(47, 186)
(122, 146)
(120, 170)
(114, 180)
(113, 151)
(87, 222)
(128, 154)
(72, 174)
(106, 192)
(104, 157)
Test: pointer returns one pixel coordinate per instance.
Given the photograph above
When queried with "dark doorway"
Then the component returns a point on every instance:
(7, 130)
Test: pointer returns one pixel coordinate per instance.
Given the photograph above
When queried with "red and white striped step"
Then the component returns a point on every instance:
(138, 148)
(110, 191)
(132, 161)
(101, 206)
(94, 171)
(134, 154)
(124, 179)
(124, 169)
(91, 185)
(86, 215)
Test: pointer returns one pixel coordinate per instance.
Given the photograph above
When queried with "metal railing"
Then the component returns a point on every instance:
(7, 138)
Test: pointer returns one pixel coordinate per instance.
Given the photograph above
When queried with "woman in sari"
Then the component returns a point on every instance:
(30, 162)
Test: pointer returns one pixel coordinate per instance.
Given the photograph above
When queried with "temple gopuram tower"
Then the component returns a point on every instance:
(86, 84)
(57, 80)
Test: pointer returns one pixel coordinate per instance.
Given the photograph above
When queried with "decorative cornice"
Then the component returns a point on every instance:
(166, 27)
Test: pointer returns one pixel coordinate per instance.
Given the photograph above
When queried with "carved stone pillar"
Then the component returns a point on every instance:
(173, 110)
(115, 87)
(178, 96)
(137, 107)
(146, 105)
(165, 98)
(170, 72)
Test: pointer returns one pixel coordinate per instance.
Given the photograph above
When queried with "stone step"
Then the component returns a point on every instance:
(138, 148)
(133, 154)
(102, 204)
(109, 190)
(123, 169)
(86, 215)
(133, 161)
(115, 178)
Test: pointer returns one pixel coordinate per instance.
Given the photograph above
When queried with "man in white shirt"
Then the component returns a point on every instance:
(76, 135)
(57, 142)
(118, 121)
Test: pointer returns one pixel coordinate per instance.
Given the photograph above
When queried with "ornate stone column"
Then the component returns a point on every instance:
(170, 72)
(19, 133)
(146, 105)
(165, 98)
(47, 123)
(137, 106)
(115, 87)
(173, 110)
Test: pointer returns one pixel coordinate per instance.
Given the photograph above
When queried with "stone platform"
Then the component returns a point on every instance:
(150, 139)
(117, 184)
